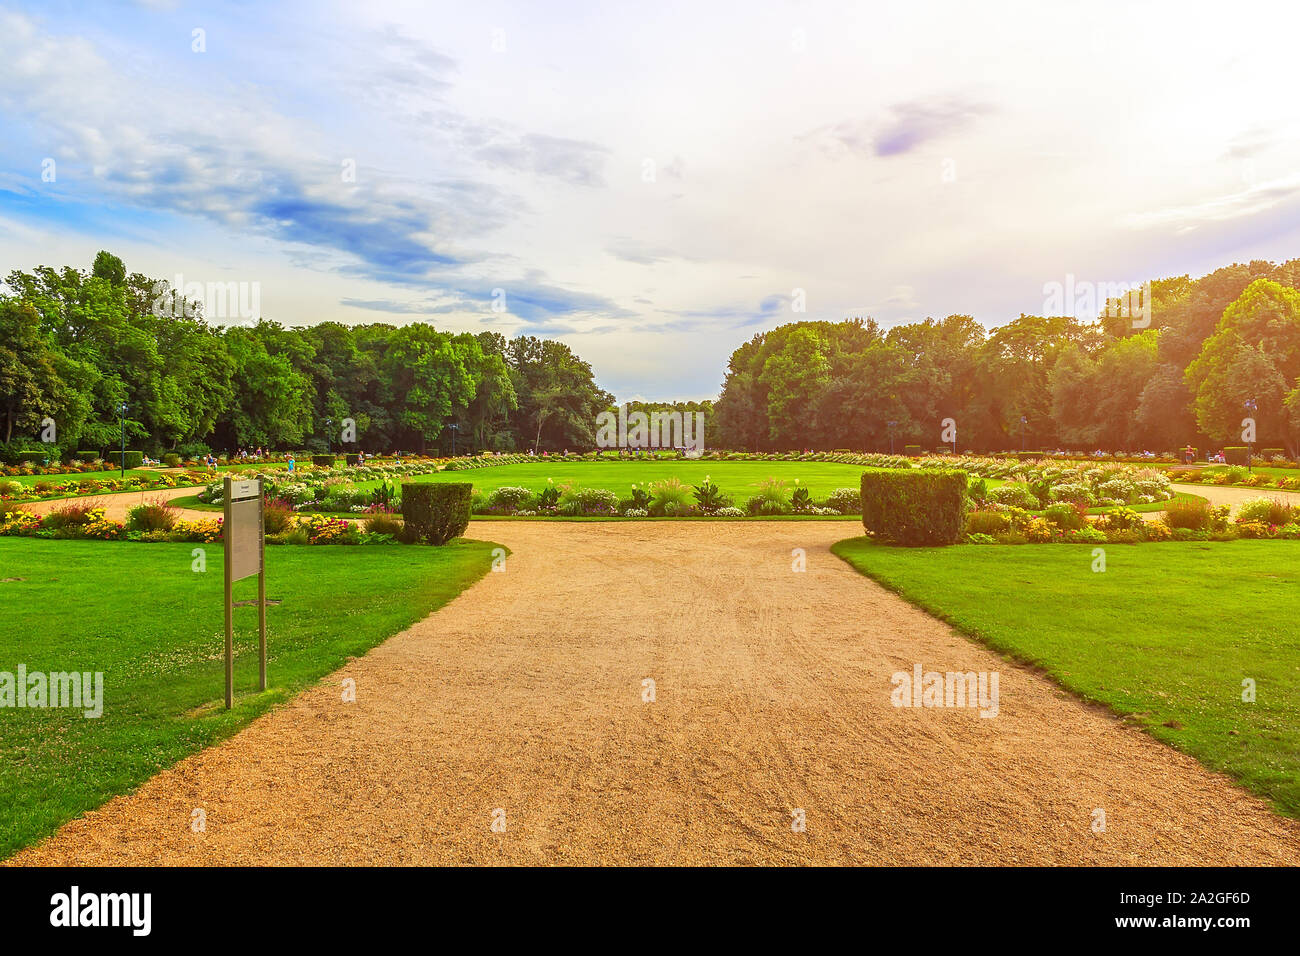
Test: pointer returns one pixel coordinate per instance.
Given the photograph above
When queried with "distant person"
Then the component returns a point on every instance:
(291, 463)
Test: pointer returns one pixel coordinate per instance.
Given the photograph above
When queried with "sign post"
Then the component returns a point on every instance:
(245, 551)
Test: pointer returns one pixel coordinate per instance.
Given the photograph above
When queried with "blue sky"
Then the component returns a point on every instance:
(651, 184)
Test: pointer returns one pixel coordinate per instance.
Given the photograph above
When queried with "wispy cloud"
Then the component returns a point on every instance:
(904, 126)
(1251, 201)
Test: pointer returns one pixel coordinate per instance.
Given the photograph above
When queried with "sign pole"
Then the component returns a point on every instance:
(244, 536)
(261, 587)
(226, 528)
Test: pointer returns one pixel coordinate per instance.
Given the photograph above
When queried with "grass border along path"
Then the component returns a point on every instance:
(1164, 637)
(155, 628)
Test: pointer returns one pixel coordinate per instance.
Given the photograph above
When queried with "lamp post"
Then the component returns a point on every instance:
(892, 426)
(454, 428)
(1023, 420)
(1250, 445)
(121, 419)
(329, 428)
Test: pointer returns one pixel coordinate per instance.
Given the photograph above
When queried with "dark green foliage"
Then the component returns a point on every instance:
(1065, 516)
(87, 456)
(708, 496)
(323, 461)
(436, 512)
(915, 507)
(549, 497)
(987, 522)
(1236, 454)
(128, 459)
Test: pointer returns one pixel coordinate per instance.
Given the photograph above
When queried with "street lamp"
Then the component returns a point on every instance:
(1023, 420)
(454, 428)
(1250, 445)
(892, 426)
(121, 418)
(329, 427)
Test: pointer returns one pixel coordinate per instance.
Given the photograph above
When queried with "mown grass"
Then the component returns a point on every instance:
(1165, 636)
(739, 479)
(155, 628)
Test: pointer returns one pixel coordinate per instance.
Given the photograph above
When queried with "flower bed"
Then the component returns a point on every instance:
(1235, 476)
(42, 490)
(1193, 520)
(668, 498)
(81, 522)
(1033, 485)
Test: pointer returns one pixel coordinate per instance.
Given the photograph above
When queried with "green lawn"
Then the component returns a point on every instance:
(154, 627)
(739, 479)
(1166, 635)
(1269, 470)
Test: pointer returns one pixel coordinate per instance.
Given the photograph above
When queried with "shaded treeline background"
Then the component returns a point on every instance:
(74, 345)
(1212, 344)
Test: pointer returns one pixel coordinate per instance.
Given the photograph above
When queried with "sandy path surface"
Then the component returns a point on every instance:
(1234, 497)
(117, 505)
(772, 695)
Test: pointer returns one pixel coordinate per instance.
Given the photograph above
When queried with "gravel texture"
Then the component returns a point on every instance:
(772, 695)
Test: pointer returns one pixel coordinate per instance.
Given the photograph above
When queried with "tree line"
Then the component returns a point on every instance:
(77, 346)
(1210, 353)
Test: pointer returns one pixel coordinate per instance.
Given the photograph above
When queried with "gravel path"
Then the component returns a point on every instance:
(1226, 495)
(117, 505)
(772, 695)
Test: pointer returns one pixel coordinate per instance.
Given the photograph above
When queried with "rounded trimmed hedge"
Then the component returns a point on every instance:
(919, 507)
(437, 511)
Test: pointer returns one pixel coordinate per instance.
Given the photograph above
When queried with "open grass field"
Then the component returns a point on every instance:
(155, 628)
(739, 479)
(1165, 635)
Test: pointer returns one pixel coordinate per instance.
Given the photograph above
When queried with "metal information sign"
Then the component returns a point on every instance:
(245, 546)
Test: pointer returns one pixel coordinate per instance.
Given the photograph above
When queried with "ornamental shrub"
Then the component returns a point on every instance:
(1016, 494)
(435, 512)
(1192, 514)
(1266, 510)
(671, 497)
(508, 499)
(587, 502)
(987, 523)
(1065, 516)
(152, 516)
(847, 501)
(772, 498)
(921, 507)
